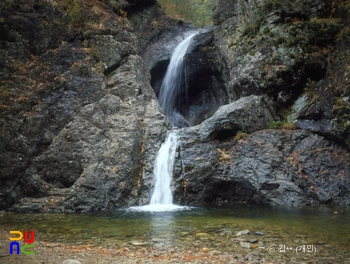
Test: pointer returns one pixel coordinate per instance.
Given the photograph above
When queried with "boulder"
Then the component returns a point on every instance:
(280, 167)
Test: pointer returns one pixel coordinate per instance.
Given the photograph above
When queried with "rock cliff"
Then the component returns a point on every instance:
(80, 123)
(78, 114)
(294, 54)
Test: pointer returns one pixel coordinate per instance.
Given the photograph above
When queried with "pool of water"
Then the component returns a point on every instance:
(215, 229)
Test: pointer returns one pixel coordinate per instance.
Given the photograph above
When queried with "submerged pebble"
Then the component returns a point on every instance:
(258, 233)
(243, 232)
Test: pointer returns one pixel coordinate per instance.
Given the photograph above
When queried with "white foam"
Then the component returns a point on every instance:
(159, 208)
(173, 82)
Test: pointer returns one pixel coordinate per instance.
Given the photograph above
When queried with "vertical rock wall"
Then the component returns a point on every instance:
(80, 124)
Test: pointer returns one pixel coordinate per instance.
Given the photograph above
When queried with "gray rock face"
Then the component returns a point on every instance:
(207, 79)
(263, 49)
(270, 166)
(102, 150)
(247, 114)
(85, 133)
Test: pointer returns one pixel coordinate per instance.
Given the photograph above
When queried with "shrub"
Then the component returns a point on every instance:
(73, 10)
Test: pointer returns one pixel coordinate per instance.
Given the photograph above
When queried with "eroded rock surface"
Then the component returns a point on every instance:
(285, 167)
(79, 116)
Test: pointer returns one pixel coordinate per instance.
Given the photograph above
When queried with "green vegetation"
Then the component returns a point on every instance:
(240, 135)
(281, 125)
(73, 10)
(253, 23)
(197, 12)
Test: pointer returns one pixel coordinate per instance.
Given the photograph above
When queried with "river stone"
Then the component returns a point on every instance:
(252, 240)
(243, 232)
(258, 233)
(138, 243)
(237, 240)
(201, 234)
(71, 261)
(245, 244)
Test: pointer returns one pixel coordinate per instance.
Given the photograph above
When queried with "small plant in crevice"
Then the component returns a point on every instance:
(73, 10)
(276, 125)
(241, 135)
(223, 156)
(123, 13)
(283, 124)
(289, 126)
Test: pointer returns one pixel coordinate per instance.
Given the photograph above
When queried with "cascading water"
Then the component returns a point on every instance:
(173, 83)
(163, 170)
(162, 198)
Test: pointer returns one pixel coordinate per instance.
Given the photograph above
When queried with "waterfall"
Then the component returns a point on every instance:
(163, 170)
(162, 198)
(173, 82)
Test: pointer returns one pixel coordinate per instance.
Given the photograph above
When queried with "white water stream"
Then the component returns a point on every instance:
(163, 171)
(162, 198)
(173, 83)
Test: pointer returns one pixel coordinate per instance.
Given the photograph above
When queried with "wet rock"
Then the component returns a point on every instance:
(206, 79)
(204, 86)
(252, 240)
(258, 233)
(201, 234)
(71, 261)
(243, 232)
(245, 244)
(237, 240)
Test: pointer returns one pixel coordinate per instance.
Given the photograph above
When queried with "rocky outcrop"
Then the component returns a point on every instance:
(206, 79)
(280, 50)
(248, 114)
(80, 124)
(284, 167)
(273, 47)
